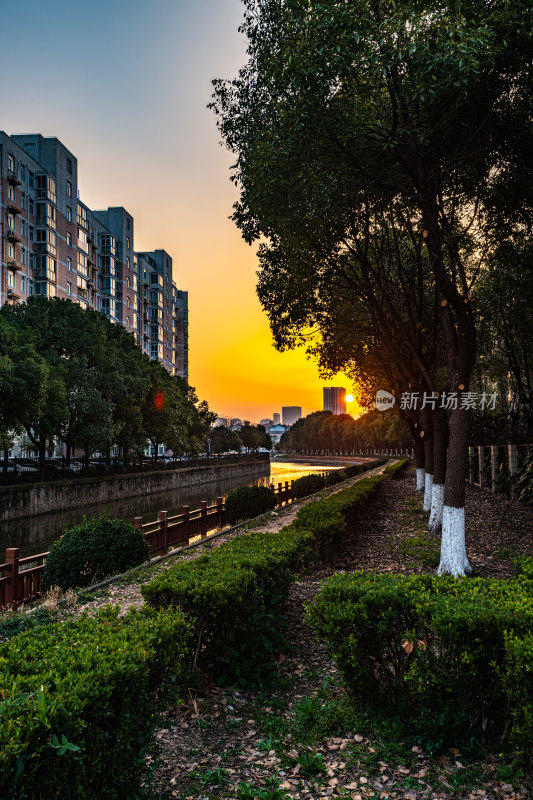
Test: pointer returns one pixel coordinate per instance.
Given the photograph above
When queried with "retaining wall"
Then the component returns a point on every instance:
(43, 498)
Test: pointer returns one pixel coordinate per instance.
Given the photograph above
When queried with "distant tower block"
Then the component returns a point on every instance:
(290, 415)
(335, 399)
(276, 418)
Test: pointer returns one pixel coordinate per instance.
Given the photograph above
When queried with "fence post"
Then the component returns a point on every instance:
(481, 466)
(513, 466)
(287, 498)
(185, 512)
(163, 526)
(220, 512)
(12, 560)
(138, 522)
(203, 513)
(494, 466)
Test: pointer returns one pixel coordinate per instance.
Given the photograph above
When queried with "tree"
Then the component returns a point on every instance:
(409, 101)
(223, 439)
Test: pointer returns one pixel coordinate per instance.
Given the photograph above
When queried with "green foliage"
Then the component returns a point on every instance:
(312, 763)
(93, 550)
(14, 622)
(429, 649)
(396, 469)
(518, 685)
(234, 598)
(308, 484)
(80, 701)
(249, 501)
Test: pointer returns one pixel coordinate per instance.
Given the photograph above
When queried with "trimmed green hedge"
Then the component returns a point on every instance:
(93, 550)
(247, 502)
(80, 701)
(234, 597)
(307, 484)
(431, 649)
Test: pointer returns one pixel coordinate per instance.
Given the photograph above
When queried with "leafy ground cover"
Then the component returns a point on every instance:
(298, 737)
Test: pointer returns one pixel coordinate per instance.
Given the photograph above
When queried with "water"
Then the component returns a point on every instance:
(35, 534)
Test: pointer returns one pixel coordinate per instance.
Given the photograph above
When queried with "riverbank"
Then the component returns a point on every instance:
(17, 502)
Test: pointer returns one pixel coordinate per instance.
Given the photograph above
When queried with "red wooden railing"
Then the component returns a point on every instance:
(20, 583)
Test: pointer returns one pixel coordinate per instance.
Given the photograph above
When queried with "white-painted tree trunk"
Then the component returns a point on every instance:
(420, 479)
(437, 506)
(428, 491)
(453, 558)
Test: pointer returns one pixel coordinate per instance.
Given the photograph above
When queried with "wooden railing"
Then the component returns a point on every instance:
(20, 583)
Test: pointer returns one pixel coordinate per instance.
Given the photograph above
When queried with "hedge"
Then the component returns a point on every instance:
(247, 502)
(307, 484)
(234, 596)
(92, 550)
(438, 652)
(80, 701)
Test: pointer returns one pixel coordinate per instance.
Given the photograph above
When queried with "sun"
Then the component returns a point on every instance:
(349, 398)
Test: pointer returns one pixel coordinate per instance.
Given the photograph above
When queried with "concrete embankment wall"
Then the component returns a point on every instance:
(43, 498)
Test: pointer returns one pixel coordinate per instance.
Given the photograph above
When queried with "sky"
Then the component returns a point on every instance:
(125, 85)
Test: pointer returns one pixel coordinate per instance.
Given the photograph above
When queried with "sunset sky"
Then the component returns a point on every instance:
(125, 85)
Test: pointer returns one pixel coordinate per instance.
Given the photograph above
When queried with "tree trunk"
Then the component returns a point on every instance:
(427, 438)
(440, 425)
(6, 460)
(453, 558)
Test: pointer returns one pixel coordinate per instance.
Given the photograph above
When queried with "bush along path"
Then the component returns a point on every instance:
(297, 733)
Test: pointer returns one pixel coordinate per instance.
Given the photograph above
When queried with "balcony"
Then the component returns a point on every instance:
(13, 178)
(13, 295)
(14, 237)
(13, 207)
(13, 264)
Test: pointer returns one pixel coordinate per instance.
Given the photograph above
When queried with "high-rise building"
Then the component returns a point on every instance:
(335, 399)
(276, 419)
(290, 415)
(53, 245)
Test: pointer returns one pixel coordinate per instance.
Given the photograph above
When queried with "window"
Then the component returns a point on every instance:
(32, 206)
(46, 188)
(69, 239)
(128, 242)
(11, 162)
(23, 284)
(12, 194)
(128, 282)
(128, 263)
(23, 172)
(69, 289)
(46, 240)
(69, 189)
(46, 215)
(128, 323)
(11, 279)
(23, 227)
(69, 263)
(31, 260)
(82, 264)
(69, 165)
(30, 287)
(23, 201)
(82, 240)
(23, 256)
(31, 181)
(128, 301)
(12, 223)
(69, 214)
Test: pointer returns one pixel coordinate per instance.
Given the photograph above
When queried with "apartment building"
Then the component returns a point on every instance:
(53, 245)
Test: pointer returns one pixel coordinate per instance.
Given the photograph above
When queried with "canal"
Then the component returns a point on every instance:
(35, 534)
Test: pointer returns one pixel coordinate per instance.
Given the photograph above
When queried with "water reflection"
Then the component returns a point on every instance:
(36, 534)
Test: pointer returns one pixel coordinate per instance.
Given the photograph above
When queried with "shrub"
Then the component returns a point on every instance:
(518, 684)
(431, 649)
(93, 550)
(335, 476)
(234, 597)
(396, 469)
(308, 484)
(80, 700)
(14, 622)
(249, 501)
